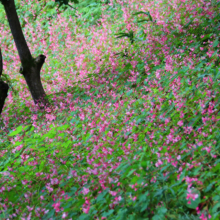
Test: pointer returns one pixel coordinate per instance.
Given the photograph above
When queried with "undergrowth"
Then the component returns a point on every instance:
(133, 127)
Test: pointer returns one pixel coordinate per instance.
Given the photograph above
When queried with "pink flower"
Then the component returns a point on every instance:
(202, 217)
(86, 210)
(192, 196)
(50, 117)
(178, 157)
(85, 191)
(159, 162)
(34, 117)
(64, 215)
(113, 193)
(118, 198)
(29, 208)
(50, 189)
(56, 206)
(17, 148)
(180, 123)
(167, 120)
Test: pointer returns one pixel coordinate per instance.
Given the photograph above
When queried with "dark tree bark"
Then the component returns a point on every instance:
(31, 67)
(3, 86)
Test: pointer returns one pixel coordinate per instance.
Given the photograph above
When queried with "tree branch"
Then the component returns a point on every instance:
(3, 86)
(1, 63)
(40, 61)
(15, 26)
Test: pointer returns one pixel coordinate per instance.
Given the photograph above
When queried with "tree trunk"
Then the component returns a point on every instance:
(3, 86)
(32, 77)
(30, 67)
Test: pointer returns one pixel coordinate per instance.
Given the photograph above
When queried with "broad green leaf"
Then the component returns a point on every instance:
(216, 42)
(17, 131)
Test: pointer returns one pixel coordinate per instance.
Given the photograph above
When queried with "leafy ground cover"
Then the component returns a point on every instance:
(133, 132)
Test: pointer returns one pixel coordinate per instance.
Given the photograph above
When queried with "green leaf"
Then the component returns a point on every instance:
(64, 127)
(129, 92)
(101, 196)
(42, 165)
(216, 42)
(83, 217)
(105, 214)
(146, 13)
(209, 187)
(216, 207)
(139, 21)
(17, 131)
(144, 207)
(162, 210)
(129, 174)
(216, 198)
(157, 217)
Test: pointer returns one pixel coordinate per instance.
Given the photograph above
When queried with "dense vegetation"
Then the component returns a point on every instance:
(133, 130)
